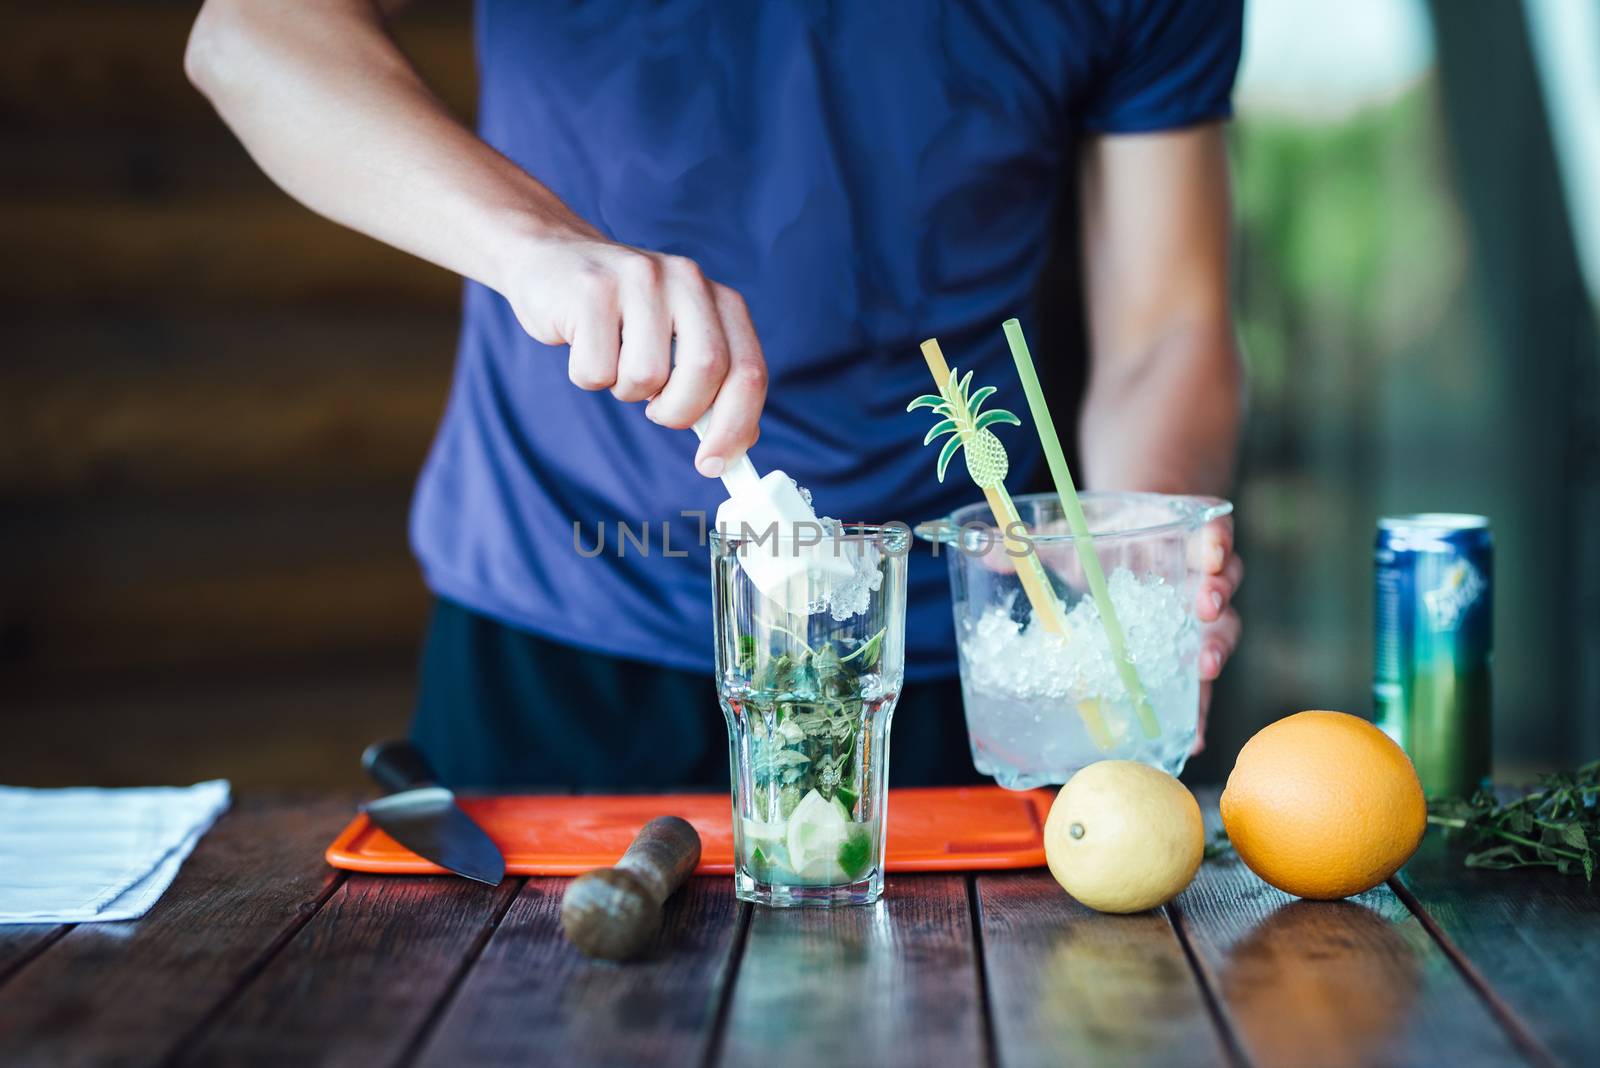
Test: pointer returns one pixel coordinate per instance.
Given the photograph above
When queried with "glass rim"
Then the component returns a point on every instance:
(1434, 522)
(894, 534)
(1200, 510)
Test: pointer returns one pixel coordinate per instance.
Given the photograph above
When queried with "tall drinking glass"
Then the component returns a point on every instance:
(808, 699)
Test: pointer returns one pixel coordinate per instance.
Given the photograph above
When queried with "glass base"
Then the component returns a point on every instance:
(1170, 757)
(863, 891)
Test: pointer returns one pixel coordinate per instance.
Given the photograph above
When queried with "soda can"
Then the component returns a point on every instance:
(1434, 648)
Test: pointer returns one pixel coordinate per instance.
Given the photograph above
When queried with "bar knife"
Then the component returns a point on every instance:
(424, 817)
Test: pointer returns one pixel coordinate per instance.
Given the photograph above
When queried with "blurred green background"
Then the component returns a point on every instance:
(213, 403)
(1419, 337)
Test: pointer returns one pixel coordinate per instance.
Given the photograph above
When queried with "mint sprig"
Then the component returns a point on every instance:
(1556, 825)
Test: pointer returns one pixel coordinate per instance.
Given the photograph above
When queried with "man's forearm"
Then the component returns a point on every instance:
(1166, 422)
(1163, 407)
(330, 108)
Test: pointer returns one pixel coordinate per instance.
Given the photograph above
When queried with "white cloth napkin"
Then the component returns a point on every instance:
(84, 854)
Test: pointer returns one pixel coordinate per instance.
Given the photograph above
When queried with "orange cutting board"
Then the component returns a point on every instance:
(968, 828)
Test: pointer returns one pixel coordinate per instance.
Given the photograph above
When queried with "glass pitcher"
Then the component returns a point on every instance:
(1044, 701)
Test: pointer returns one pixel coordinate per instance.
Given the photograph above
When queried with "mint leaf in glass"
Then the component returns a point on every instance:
(855, 853)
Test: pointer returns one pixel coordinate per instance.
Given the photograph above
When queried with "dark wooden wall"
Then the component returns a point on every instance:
(1542, 325)
(212, 405)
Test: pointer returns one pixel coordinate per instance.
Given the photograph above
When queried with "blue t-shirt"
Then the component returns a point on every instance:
(867, 175)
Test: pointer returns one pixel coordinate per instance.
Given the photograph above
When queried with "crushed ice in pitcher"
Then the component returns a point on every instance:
(1021, 684)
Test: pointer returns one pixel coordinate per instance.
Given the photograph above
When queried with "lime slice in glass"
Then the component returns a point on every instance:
(817, 828)
(758, 832)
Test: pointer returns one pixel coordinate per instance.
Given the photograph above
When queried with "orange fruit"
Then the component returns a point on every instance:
(1323, 805)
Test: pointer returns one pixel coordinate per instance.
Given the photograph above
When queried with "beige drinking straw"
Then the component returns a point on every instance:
(1081, 539)
(1030, 570)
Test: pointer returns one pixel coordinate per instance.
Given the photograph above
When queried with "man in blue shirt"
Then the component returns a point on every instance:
(755, 210)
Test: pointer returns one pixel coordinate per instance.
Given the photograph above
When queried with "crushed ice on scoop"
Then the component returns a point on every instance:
(843, 598)
(850, 596)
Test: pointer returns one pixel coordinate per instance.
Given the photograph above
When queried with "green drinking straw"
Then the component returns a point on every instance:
(1081, 538)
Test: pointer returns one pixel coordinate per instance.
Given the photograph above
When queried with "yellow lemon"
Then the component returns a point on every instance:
(1323, 805)
(1124, 837)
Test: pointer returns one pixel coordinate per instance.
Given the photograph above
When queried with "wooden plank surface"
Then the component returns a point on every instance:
(259, 954)
(129, 992)
(21, 942)
(533, 999)
(892, 984)
(361, 982)
(1071, 986)
(1532, 937)
(1311, 983)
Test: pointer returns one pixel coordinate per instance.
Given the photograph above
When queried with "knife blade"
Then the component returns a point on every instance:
(424, 817)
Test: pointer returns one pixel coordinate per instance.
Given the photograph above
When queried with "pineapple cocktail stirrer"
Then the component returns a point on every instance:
(987, 464)
(1087, 557)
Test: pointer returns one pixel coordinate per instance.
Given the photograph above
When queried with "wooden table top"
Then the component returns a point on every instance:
(261, 954)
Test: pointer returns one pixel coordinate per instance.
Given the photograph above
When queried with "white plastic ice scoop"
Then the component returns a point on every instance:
(787, 558)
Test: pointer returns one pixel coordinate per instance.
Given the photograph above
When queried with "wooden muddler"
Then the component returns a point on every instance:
(613, 913)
